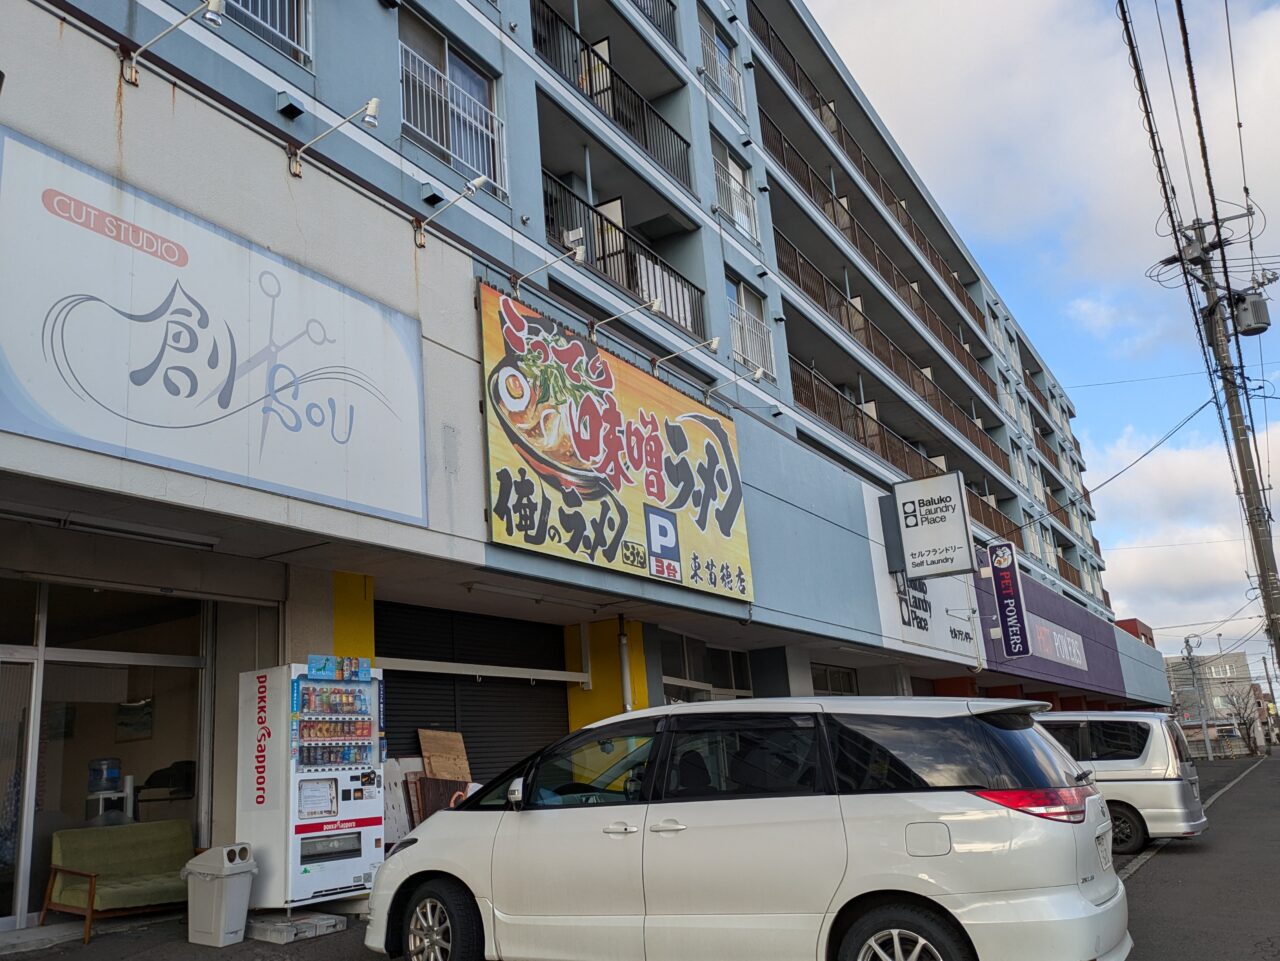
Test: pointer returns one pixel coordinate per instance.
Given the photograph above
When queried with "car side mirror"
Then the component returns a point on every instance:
(515, 793)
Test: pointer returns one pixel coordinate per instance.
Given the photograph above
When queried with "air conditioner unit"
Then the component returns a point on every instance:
(1253, 317)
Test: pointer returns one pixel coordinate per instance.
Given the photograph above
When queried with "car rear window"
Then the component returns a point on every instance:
(1070, 734)
(1179, 742)
(877, 753)
(1118, 740)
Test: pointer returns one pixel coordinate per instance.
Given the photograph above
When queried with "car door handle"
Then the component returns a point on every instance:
(620, 828)
(663, 827)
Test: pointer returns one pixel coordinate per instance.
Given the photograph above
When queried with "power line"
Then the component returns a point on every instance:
(1152, 547)
(1174, 627)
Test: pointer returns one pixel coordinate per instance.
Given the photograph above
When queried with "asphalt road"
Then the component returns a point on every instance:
(1211, 899)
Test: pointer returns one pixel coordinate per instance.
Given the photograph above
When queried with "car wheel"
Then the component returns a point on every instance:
(441, 923)
(904, 933)
(1128, 833)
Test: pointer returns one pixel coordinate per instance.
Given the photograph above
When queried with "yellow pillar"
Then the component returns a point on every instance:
(352, 615)
(605, 697)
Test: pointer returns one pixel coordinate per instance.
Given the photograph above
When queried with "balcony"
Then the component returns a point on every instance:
(819, 396)
(622, 257)
(1106, 599)
(813, 185)
(1076, 444)
(284, 24)
(752, 339)
(660, 13)
(737, 202)
(1088, 499)
(1069, 573)
(1038, 394)
(720, 73)
(821, 107)
(577, 61)
(449, 122)
(1047, 452)
(1097, 548)
(832, 302)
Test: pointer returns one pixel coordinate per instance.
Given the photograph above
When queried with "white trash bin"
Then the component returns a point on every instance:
(218, 886)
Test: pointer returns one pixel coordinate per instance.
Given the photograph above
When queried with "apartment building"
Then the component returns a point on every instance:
(556, 355)
(1222, 678)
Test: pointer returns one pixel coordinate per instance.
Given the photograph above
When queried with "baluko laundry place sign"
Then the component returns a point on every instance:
(933, 521)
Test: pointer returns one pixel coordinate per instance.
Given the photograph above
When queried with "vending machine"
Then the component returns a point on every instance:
(309, 779)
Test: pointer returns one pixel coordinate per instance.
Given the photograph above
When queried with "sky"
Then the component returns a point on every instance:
(1023, 121)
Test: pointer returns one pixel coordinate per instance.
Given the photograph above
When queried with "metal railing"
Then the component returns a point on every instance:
(821, 107)
(1047, 452)
(828, 298)
(450, 120)
(621, 256)
(808, 179)
(752, 338)
(285, 24)
(1076, 444)
(1038, 394)
(819, 396)
(721, 73)
(569, 55)
(1097, 548)
(737, 201)
(1106, 598)
(660, 13)
(1088, 498)
(1069, 573)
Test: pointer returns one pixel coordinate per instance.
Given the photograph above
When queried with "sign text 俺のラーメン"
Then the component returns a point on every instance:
(595, 461)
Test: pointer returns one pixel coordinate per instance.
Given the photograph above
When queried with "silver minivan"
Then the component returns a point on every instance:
(1142, 766)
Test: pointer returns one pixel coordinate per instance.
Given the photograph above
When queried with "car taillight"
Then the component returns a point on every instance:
(1055, 803)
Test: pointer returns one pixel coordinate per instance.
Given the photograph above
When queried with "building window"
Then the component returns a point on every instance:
(285, 24)
(830, 681)
(733, 190)
(752, 336)
(1220, 670)
(721, 73)
(447, 104)
(729, 673)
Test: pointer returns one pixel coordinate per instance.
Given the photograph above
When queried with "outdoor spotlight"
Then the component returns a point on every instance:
(213, 13)
(370, 118)
(129, 61)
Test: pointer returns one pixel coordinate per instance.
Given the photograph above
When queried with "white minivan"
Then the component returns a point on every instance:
(837, 829)
(1142, 765)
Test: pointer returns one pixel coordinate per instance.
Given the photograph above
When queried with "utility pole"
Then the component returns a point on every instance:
(1267, 670)
(1195, 682)
(1255, 508)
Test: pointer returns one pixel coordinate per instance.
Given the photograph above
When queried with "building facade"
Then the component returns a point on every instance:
(563, 375)
(1212, 686)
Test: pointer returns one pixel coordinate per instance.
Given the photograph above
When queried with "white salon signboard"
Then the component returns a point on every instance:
(130, 327)
(933, 519)
(936, 617)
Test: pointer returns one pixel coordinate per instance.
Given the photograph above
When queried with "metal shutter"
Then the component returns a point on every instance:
(501, 719)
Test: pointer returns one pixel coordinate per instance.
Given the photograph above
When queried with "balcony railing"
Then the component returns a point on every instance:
(808, 179)
(752, 339)
(1046, 451)
(1097, 548)
(450, 121)
(1037, 393)
(820, 397)
(285, 24)
(621, 256)
(1088, 498)
(660, 13)
(835, 305)
(1069, 573)
(569, 55)
(737, 201)
(1076, 444)
(1106, 599)
(721, 74)
(821, 107)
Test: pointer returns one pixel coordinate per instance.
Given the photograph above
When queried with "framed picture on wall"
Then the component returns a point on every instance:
(135, 720)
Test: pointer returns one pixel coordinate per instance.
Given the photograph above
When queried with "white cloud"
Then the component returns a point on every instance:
(1023, 119)
(1181, 494)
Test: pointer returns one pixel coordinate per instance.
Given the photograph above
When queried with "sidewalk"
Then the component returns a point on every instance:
(1211, 898)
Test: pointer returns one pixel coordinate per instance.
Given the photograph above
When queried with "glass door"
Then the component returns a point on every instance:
(15, 720)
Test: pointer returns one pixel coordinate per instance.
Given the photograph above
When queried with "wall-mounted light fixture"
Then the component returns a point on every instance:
(432, 197)
(577, 253)
(756, 376)
(212, 11)
(655, 304)
(712, 345)
(369, 119)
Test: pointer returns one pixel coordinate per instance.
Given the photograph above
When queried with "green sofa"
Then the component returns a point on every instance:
(120, 869)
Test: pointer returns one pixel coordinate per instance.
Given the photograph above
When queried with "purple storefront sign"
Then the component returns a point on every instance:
(1068, 645)
(1011, 615)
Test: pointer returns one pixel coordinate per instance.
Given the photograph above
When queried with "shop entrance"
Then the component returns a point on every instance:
(101, 722)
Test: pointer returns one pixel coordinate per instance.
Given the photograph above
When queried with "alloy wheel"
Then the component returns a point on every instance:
(430, 933)
(896, 944)
(1121, 831)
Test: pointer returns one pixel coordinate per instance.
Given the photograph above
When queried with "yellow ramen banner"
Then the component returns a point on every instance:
(594, 461)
